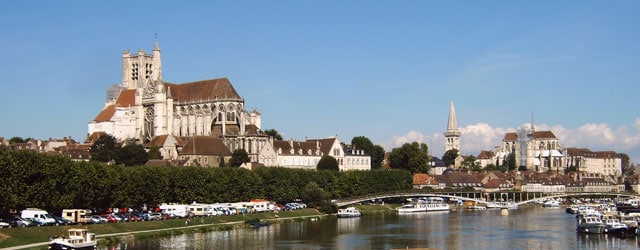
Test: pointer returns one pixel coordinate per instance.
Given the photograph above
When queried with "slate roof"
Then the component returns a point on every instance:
(286, 147)
(219, 88)
(205, 145)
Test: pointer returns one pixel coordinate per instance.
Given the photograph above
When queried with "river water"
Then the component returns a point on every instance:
(522, 228)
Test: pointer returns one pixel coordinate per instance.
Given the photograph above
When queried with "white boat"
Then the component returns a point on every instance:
(76, 238)
(502, 204)
(551, 203)
(436, 204)
(425, 205)
(614, 226)
(412, 208)
(590, 224)
(477, 207)
(348, 212)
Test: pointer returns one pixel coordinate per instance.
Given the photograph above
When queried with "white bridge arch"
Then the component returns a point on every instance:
(480, 200)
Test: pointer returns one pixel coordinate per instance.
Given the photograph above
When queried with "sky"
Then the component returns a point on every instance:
(386, 70)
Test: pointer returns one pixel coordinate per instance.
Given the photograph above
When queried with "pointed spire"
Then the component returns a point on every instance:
(533, 126)
(157, 46)
(453, 122)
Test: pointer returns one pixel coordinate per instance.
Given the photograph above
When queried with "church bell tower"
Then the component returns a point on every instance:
(452, 135)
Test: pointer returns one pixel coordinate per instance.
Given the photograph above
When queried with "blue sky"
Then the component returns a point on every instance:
(386, 70)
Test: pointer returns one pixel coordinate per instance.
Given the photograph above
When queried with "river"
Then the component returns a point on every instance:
(522, 228)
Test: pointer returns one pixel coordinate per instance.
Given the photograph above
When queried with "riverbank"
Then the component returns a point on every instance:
(37, 237)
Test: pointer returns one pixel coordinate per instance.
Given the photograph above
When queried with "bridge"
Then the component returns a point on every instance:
(480, 197)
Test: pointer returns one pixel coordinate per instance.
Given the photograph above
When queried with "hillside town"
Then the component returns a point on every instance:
(201, 123)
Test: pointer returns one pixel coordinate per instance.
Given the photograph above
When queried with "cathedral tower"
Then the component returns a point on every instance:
(452, 134)
(141, 68)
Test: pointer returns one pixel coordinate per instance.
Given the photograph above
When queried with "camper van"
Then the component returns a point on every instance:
(176, 210)
(41, 217)
(77, 215)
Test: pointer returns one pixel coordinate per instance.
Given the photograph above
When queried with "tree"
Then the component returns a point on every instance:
(131, 155)
(17, 139)
(238, 157)
(274, 133)
(571, 168)
(327, 162)
(511, 162)
(470, 163)
(154, 153)
(411, 156)
(377, 161)
(375, 151)
(626, 168)
(450, 156)
(104, 149)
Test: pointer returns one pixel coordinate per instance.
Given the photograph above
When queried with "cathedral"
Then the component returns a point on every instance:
(144, 108)
(201, 123)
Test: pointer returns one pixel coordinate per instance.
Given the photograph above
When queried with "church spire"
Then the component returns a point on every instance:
(453, 122)
(452, 135)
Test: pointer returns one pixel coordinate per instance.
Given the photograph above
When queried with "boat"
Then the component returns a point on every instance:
(573, 208)
(425, 205)
(551, 203)
(476, 207)
(614, 226)
(412, 208)
(590, 224)
(502, 204)
(76, 238)
(348, 212)
(436, 204)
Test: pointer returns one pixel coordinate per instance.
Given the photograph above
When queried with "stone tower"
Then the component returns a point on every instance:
(452, 135)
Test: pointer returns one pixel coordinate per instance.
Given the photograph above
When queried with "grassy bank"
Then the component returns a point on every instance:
(10, 237)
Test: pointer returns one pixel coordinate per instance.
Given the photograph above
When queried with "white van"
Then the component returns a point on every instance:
(40, 216)
(178, 210)
(77, 215)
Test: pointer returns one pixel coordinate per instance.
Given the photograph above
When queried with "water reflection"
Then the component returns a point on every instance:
(524, 228)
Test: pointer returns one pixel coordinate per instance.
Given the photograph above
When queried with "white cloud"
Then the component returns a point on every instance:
(482, 136)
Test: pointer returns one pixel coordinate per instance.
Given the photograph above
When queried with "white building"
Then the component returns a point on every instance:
(307, 154)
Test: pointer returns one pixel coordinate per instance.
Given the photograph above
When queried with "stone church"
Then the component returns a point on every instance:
(146, 109)
(201, 123)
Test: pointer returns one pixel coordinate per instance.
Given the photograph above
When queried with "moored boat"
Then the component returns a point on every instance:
(348, 212)
(502, 204)
(590, 224)
(412, 208)
(76, 238)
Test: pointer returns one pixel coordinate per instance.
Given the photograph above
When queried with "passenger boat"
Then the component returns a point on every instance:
(590, 224)
(76, 238)
(348, 212)
(477, 207)
(425, 205)
(436, 204)
(412, 208)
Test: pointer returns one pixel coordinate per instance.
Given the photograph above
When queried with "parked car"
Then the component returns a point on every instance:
(19, 222)
(4, 224)
(62, 221)
(97, 219)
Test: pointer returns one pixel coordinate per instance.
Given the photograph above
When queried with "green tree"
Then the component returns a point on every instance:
(327, 162)
(375, 151)
(571, 168)
(411, 156)
(154, 153)
(511, 162)
(625, 167)
(274, 133)
(471, 164)
(238, 157)
(378, 158)
(104, 149)
(132, 155)
(17, 139)
(450, 156)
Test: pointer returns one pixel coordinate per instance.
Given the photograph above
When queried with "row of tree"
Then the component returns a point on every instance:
(54, 182)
